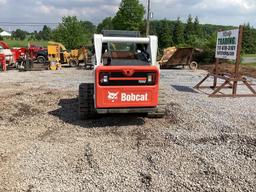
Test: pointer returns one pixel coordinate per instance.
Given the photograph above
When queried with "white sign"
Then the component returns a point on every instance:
(227, 43)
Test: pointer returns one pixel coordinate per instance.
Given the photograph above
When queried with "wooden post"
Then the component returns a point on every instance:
(238, 58)
(216, 72)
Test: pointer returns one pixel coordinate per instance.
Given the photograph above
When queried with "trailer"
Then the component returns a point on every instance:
(174, 57)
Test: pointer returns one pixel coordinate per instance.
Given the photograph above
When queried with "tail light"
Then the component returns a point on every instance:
(151, 78)
(104, 78)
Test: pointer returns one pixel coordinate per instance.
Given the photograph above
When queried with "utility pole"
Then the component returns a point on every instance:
(148, 19)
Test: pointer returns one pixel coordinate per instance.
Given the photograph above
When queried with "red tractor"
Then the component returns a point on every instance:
(126, 77)
(37, 53)
(16, 56)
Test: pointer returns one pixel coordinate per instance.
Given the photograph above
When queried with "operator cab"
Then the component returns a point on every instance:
(124, 53)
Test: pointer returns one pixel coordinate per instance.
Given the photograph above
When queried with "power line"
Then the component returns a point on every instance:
(26, 24)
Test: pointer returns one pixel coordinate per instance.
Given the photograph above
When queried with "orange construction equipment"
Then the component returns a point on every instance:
(126, 77)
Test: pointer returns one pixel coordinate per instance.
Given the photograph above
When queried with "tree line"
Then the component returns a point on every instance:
(73, 32)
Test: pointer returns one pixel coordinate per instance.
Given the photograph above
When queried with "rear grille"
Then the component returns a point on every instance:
(120, 79)
(120, 74)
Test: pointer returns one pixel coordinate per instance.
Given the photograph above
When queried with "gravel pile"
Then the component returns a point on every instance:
(203, 144)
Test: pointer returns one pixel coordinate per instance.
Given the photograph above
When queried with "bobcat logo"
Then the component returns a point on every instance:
(112, 96)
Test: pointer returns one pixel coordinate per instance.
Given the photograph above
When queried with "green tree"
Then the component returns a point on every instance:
(46, 33)
(193, 33)
(106, 24)
(197, 28)
(165, 36)
(178, 32)
(249, 39)
(37, 35)
(19, 34)
(129, 16)
(70, 32)
(189, 29)
(88, 27)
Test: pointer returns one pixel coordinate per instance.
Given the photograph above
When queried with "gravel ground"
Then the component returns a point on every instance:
(203, 144)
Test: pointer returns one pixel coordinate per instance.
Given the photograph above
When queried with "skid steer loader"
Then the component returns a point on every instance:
(126, 78)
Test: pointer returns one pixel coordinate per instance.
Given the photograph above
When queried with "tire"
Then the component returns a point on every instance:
(87, 67)
(28, 65)
(86, 102)
(193, 65)
(85, 61)
(161, 108)
(41, 59)
(73, 63)
(21, 65)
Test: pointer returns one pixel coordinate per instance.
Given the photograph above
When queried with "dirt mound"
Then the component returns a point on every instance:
(230, 68)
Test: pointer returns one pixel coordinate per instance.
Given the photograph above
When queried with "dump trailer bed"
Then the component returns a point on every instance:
(174, 57)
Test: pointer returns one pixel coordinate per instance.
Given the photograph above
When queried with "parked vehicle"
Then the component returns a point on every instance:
(5, 50)
(174, 57)
(37, 53)
(58, 52)
(126, 77)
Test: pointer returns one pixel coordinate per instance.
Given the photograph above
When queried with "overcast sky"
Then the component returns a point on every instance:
(225, 12)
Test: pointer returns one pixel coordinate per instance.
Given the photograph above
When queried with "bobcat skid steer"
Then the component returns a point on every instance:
(126, 78)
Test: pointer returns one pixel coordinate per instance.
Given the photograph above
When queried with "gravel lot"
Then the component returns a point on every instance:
(203, 144)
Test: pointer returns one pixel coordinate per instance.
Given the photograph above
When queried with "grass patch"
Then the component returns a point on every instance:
(249, 55)
(24, 43)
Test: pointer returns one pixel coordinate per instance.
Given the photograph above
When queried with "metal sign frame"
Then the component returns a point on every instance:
(230, 80)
